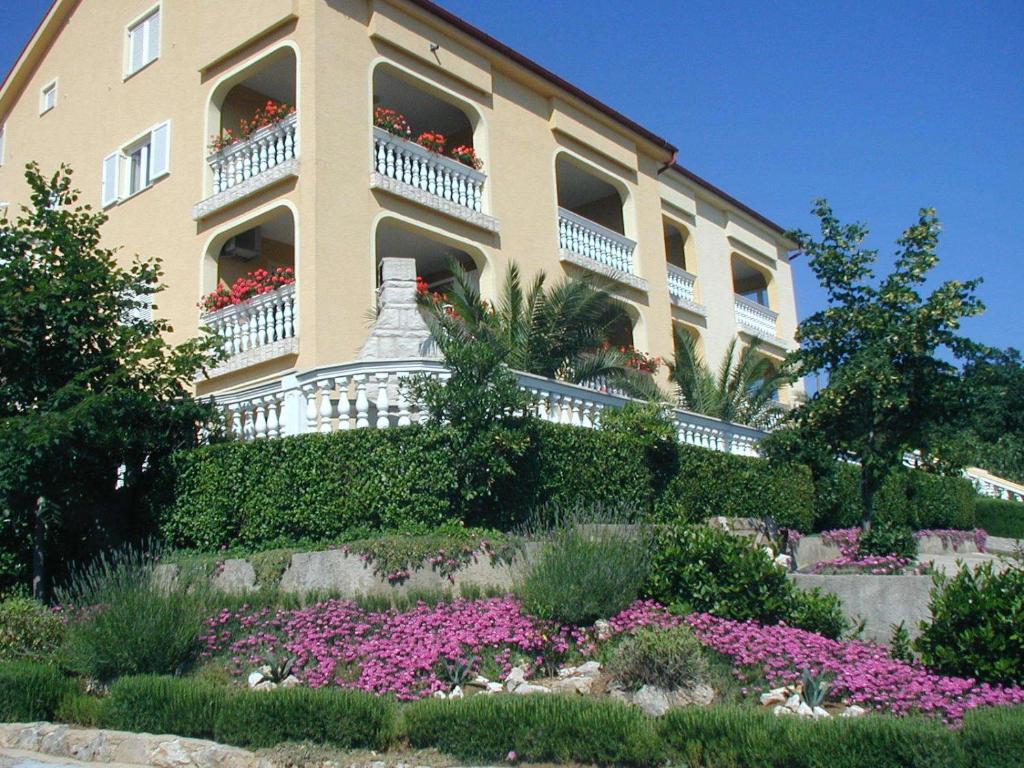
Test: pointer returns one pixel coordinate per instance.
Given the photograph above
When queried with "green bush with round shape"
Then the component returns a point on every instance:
(539, 728)
(81, 709)
(160, 704)
(31, 691)
(1000, 517)
(994, 736)
(340, 718)
(887, 539)
(670, 659)
(29, 630)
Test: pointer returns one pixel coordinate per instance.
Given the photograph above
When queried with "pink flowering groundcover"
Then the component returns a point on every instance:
(404, 654)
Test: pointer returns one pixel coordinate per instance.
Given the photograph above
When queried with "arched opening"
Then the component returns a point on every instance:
(676, 241)
(588, 195)
(422, 109)
(239, 101)
(432, 252)
(749, 282)
(267, 245)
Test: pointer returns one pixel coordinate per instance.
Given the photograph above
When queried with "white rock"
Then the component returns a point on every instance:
(515, 678)
(439, 695)
(495, 688)
(255, 678)
(853, 711)
(480, 680)
(793, 702)
(266, 685)
(781, 710)
(772, 697)
(290, 682)
(652, 700)
(785, 561)
(700, 695)
(805, 711)
(819, 712)
(169, 754)
(578, 684)
(589, 669)
(456, 693)
(602, 629)
(525, 689)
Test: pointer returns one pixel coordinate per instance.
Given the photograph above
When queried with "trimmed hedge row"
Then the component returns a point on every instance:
(323, 487)
(536, 728)
(1000, 517)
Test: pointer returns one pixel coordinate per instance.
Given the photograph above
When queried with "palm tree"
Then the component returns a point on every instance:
(742, 391)
(555, 332)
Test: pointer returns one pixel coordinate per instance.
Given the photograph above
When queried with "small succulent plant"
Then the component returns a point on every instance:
(459, 672)
(280, 667)
(815, 686)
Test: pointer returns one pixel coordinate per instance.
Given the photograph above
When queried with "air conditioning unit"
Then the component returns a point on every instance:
(244, 246)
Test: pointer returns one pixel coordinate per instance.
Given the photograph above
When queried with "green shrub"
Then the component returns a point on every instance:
(591, 565)
(976, 628)
(1000, 517)
(29, 630)
(995, 736)
(346, 719)
(887, 539)
(31, 691)
(80, 709)
(743, 737)
(668, 658)
(128, 623)
(816, 611)
(155, 704)
(536, 729)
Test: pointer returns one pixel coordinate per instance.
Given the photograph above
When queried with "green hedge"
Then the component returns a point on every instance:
(345, 719)
(157, 704)
(1000, 517)
(31, 691)
(536, 728)
(320, 487)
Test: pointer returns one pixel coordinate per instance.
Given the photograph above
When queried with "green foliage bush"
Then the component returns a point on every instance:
(30, 691)
(668, 658)
(1000, 517)
(536, 729)
(977, 627)
(345, 719)
(884, 539)
(129, 624)
(696, 567)
(80, 709)
(995, 736)
(160, 704)
(29, 630)
(591, 565)
(741, 737)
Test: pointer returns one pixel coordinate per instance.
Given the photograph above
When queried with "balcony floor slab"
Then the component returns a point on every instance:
(432, 201)
(250, 186)
(592, 265)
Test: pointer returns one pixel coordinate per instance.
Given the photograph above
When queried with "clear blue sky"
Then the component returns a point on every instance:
(882, 107)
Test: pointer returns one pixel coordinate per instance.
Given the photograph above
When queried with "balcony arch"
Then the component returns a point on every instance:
(752, 288)
(430, 248)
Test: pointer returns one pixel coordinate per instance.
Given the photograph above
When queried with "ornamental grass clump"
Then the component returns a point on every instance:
(121, 621)
(160, 704)
(591, 565)
(31, 691)
(670, 658)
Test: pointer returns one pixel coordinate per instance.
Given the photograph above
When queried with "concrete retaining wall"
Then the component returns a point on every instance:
(880, 601)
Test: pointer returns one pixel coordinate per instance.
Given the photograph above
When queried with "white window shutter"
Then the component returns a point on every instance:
(160, 151)
(110, 179)
(136, 48)
(153, 33)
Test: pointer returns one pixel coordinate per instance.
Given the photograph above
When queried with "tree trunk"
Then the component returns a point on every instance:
(868, 486)
(40, 576)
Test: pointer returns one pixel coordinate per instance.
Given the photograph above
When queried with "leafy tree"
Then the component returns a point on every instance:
(994, 437)
(877, 343)
(92, 398)
(556, 332)
(743, 390)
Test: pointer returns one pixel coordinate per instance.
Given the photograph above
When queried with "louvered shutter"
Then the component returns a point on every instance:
(153, 37)
(160, 151)
(110, 180)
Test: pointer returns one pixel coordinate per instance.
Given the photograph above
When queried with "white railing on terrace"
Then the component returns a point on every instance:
(756, 318)
(370, 395)
(266, 148)
(260, 322)
(590, 239)
(408, 162)
(988, 484)
(681, 284)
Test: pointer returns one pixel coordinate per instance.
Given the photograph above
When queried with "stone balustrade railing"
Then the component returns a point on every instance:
(260, 322)
(371, 395)
(681, 285)
(995, 487)
(755, 318)
(263, 150)
(593, 241)
(409, 163)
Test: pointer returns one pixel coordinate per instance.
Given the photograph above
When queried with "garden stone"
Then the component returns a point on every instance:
(602, 629)
(527, 688)
(439, 695)
(255, 678)
(456, 693)
(578, 684)
(781, 710)
(266, 685)
(775, 696)
(170, 754)
(290, 682)
(820, 712)
(590, 669)
(805, 711)
(481, 680)
(853, 711)
(652, 700)
(495, 688)
(793, 702)
(699, 695)
(515, 678)
(234, 577)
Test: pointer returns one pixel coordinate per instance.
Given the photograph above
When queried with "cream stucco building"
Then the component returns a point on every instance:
(130, 92)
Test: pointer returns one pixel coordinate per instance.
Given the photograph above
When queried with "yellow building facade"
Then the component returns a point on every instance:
(130, 93)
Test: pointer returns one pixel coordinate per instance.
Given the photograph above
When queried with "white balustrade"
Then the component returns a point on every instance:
(409, 163)
(755, 318)
(259, 322)
(995, 487)
(593, 241)
(264, 149)
(681, 284)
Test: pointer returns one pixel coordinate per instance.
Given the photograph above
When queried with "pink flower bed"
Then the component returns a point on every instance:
(337, 643)
(864, 673)
(955, 538)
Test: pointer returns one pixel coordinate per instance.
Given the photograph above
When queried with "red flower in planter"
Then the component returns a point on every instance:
(271, 113)
(245, 288)
(467, 156)
(392, 122)
(433, 142)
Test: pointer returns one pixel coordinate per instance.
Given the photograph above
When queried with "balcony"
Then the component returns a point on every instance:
(681, 285)
(261, 329)
(242, 169)
(587, 244)
(756, 319)
(406, 169)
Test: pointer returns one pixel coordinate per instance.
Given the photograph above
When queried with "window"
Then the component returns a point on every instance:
(143, 42)
(137, 165)
(48, 98)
